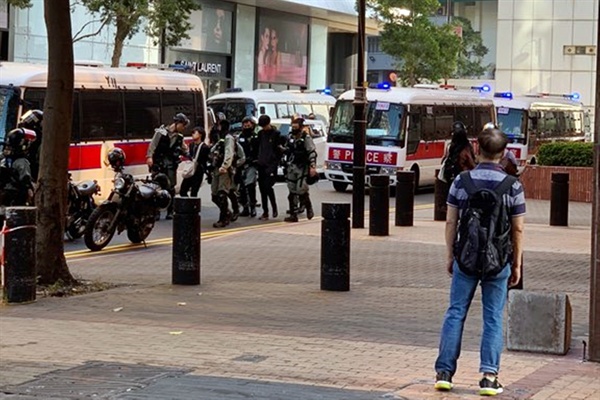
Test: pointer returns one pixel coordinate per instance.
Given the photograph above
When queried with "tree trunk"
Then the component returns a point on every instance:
(122, 31)
(51, 193)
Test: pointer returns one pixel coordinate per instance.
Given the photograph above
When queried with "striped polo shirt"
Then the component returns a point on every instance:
(489, 176)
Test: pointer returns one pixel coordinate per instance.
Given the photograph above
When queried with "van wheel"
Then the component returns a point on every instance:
(340, 186)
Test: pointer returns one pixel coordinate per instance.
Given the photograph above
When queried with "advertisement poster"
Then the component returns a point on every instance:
(282, 50)
(211, 30)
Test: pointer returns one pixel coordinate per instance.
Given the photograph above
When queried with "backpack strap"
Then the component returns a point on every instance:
(505, 185)
(468, 183)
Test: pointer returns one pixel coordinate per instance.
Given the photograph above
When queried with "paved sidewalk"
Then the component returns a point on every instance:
(259, 325)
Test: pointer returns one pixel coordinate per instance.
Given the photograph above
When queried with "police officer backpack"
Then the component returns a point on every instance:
(483, 244)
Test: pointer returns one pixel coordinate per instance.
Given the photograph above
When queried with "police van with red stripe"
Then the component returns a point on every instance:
(112, 107)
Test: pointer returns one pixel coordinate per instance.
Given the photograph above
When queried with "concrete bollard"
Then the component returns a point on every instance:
(18, 266)
(405, 198)
(559, 199)
(379, 205)
(441, 189)
(538, 322)
(335, 247)
(186, 241)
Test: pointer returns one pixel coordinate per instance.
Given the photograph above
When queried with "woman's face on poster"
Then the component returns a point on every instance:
(265, 38)
(274, 39)
(218, 29)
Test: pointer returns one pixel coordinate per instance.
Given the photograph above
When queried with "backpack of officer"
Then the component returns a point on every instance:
(165, 151)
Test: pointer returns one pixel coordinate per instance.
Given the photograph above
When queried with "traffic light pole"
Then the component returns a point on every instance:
(360, 124)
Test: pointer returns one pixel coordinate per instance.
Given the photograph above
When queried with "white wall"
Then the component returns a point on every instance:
(30, 42)
(317, 68)
(531, 36)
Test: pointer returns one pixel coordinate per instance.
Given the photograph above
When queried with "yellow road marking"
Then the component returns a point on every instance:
(206, 235)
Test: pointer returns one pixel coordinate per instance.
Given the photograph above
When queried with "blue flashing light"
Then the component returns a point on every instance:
(383, 85)
(575, 96)
(504, 95)
(326, 91)
(485, 88)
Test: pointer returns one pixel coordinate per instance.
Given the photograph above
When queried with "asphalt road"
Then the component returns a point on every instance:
(321, 192)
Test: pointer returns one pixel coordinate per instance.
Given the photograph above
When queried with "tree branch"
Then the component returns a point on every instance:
(77, 38)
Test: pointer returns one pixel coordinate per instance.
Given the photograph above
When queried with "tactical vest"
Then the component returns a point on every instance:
(217, 154)
(164, 150)
(297, 152)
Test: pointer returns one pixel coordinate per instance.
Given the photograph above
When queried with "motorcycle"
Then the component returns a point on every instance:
(80, 206)
(132, 205)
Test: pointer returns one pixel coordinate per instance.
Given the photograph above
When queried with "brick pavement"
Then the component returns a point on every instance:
(259, 314)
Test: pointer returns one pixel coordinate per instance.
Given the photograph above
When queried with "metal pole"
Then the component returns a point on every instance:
(186, 241)
(335, 247)
(379, 205)
(559, 199)
(594, 334)
(358, 169)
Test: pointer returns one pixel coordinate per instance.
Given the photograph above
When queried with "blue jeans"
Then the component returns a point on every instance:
(493, 296)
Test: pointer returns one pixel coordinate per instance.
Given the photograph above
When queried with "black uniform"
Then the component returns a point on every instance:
(248, 172)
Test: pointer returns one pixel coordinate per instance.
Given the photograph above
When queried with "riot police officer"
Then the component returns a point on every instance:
(165, 150)
(301, 158)
(222, 155)
(32, 119)
(16, 183)
(248, 172)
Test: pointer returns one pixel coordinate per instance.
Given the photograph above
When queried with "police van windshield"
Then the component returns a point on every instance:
(513, 123)
(234, 110)
(383, 121)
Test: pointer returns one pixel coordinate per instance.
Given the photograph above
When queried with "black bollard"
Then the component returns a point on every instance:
(559, 199)
(335, 247)
(379, 205)
(405, 198)
(441, 189)
(18, 268)
(186, 241)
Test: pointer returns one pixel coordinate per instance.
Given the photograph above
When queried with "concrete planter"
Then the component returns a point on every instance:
(536, 180)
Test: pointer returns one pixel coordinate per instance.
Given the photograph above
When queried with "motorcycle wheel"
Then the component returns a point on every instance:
(76, 229)
(137, 234)
(96, 234)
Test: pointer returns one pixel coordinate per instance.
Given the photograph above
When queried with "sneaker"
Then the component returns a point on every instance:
(489, 386)
(443, 381)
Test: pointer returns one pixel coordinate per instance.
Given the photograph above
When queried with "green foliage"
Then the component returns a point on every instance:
(20, 3)
(569, 154)
(425, 51)
(472, 51)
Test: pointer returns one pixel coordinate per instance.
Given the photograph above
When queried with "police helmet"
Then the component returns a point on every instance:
(490, 125)
(221, 117)
(116, 158)
(458, 126)
(18, 140)
(248, 119)
(181, 117)
(162, 180)
(163, 199)
(32, 119)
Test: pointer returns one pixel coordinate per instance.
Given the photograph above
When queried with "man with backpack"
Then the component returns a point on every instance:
(484, 236)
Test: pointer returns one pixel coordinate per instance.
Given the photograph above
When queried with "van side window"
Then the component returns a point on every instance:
(102, 113)
(142, 114)
(414, 129)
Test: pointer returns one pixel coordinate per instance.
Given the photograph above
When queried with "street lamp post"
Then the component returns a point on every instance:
(594, 334)
(358, 166)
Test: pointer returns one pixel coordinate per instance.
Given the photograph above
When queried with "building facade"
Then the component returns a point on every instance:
(280, 44)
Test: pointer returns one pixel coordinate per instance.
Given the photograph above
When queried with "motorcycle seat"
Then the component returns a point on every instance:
(87, 188)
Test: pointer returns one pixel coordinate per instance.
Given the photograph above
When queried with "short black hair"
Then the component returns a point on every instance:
(299, 121)
(201, 131)
(264, 120)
